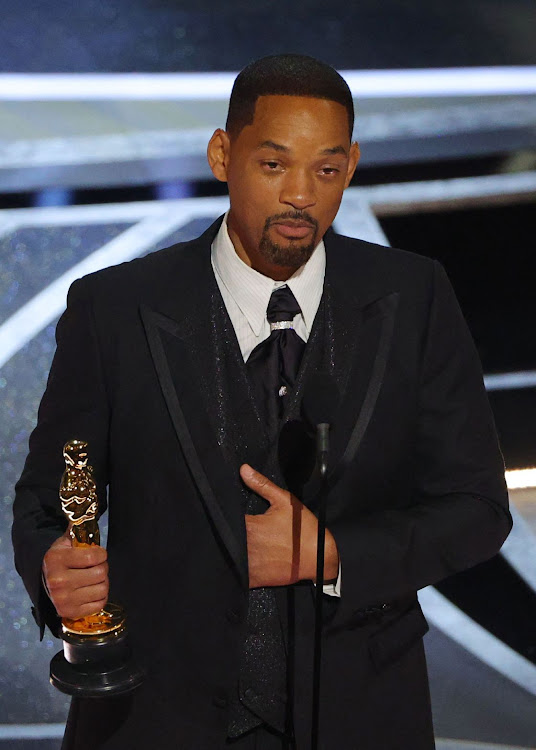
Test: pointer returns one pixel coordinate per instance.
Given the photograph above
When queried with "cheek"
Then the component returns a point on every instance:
(249, 217)
(330, 205)
(250, 204)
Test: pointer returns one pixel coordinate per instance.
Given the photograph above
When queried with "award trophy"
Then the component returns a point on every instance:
(96, 659)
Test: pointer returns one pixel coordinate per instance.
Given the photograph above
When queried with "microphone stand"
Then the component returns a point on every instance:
(322, 447)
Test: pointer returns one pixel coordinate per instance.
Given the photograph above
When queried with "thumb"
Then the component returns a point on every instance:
(63, 541)
(260, 484)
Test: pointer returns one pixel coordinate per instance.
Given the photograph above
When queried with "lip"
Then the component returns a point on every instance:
(293, 230)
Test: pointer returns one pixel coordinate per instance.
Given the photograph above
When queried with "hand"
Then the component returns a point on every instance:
(282, 541)
(76, 578)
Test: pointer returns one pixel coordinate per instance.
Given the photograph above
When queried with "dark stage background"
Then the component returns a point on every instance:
(120, 36)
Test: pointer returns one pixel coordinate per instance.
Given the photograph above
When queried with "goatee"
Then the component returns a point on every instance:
(292, 255)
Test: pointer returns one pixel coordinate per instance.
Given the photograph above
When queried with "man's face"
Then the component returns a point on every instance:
(286, 173)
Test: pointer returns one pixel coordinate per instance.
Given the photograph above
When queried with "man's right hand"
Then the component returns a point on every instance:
(76, 578)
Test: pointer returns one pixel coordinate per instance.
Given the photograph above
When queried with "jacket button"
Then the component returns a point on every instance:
(249, 694)
(220, 699)
(233, 616)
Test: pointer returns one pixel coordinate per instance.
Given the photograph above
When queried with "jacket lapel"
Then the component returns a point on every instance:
(358, 328)
(181, 332)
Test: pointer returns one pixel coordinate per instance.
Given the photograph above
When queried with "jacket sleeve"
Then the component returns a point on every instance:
(74, 405)
(459, 514)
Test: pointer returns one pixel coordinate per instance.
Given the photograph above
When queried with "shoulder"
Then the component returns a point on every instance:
(379, 268)
(174, 267)
(360, 253)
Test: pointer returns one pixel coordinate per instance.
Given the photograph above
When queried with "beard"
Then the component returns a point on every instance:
(293, 255)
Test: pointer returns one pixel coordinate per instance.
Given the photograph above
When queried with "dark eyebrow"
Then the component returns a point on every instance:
(334, 150)
(278, 147)
(272, 145)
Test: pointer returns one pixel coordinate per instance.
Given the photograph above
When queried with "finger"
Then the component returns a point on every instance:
(76, 611)
(65, 581)
(90, 595)
(81, 578)
(263, 486)
(93, 608)
(63, 541)
(81, 557)
(81, 597)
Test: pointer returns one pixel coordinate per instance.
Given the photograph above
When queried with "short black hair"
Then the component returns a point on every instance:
(285, 75)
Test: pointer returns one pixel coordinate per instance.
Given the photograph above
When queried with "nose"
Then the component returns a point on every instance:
(298, 190)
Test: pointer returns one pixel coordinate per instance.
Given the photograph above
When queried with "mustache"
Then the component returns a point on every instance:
(293, 215)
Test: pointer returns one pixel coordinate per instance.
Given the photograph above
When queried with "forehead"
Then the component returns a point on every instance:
(297, 118)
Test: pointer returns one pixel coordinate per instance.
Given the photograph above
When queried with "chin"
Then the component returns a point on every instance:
(292, 255)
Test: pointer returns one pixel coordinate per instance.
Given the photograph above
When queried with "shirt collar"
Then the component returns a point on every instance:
(251, 291)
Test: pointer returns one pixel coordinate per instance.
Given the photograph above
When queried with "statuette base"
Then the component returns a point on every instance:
(95, 666)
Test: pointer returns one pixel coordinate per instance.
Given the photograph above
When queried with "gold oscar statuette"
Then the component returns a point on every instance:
(78, 495)
(96, 658)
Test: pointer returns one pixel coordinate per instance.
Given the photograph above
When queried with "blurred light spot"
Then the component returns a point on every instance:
(520, 478)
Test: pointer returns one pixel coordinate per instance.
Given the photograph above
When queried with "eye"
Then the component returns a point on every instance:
(271, 166)
(329, 171)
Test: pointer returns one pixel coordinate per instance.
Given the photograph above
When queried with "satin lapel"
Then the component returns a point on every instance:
(366, 374)
(358, 334)
(180, 335)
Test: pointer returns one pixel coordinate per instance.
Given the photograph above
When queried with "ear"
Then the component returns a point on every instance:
(218, 151)
(352, 162)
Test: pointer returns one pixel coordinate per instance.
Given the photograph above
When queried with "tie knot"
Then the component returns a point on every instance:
(282, 306)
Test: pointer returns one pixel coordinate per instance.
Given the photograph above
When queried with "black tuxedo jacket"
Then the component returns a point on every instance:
(149, 372)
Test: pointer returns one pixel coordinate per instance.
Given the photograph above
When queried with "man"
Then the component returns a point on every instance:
(166, 367)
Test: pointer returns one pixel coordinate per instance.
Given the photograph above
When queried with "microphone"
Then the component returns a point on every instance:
(319, 404)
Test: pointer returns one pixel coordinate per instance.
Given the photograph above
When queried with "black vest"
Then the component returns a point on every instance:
(287, 458)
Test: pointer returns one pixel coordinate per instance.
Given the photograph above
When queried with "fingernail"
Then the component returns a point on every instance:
(247, 471)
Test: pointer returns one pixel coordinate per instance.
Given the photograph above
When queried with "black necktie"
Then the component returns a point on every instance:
(274, 363)
(273, 366)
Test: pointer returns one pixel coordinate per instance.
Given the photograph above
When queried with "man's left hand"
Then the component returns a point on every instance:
(282, 541)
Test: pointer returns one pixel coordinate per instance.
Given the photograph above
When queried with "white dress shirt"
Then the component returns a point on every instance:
(246, 294)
